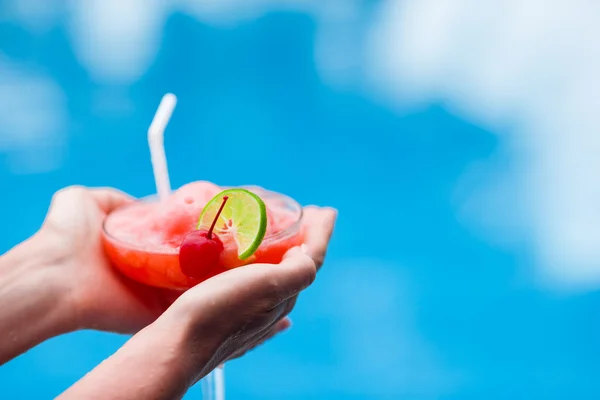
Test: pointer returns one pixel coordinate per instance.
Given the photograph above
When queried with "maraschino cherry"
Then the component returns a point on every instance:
(200, 251)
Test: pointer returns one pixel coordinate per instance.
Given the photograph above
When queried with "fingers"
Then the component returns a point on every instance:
(234, 311)
(109, 199)
(269, 284)
(318, 224)
(252, 296)
(63, 213)
(280, 326)
(296, 272)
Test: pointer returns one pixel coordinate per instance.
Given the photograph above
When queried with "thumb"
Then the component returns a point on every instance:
(109, 199)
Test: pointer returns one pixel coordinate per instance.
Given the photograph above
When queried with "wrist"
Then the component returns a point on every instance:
(49, 259)
(32, 285)
(160, 351)
(195, 349)
(202, 330)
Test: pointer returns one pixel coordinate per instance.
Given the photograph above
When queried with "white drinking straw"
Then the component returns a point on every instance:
(208, 387)
(214, 383)
(219, 383)
(156, 134)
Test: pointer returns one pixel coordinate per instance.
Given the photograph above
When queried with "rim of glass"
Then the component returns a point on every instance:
(288, 232)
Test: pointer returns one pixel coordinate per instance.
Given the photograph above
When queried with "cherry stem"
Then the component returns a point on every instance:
(210, 231)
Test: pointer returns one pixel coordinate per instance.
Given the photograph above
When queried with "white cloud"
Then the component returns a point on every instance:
(32, 119)
(525, 64)
(116, 40)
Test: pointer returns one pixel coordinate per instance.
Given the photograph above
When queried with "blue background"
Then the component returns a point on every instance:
(410, 303)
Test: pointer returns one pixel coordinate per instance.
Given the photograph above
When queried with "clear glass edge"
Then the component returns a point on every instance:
(287, 233)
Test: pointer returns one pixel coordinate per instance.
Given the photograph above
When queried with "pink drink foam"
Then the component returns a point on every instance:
(160, 227)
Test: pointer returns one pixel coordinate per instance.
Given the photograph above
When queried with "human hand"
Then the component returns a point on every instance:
(241, 308)
(217, 320)
(59, 280)
(100, 297)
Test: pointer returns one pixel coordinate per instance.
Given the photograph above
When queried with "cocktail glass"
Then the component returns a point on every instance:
(157, 264)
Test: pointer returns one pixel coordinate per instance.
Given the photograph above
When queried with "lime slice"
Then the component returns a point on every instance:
(244, 216)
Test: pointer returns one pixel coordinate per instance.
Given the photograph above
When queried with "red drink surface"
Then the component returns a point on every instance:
(142, 240)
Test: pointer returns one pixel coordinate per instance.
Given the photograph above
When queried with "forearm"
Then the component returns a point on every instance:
(153, 365)
(33, 307)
